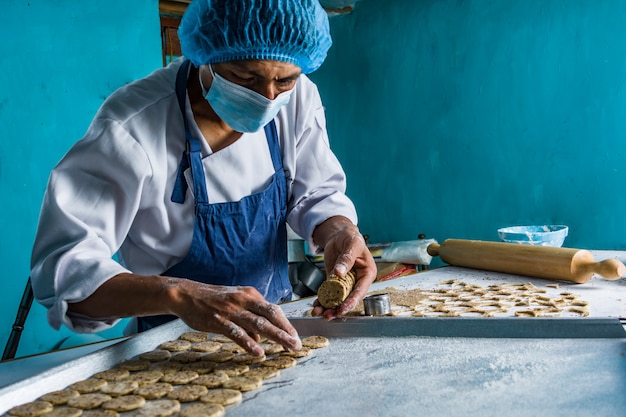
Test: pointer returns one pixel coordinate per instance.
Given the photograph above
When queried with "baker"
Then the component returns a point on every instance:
(176, 201)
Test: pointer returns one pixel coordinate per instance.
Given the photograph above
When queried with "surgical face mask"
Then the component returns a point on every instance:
(242, 109)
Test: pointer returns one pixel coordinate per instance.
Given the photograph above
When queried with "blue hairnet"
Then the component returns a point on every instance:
(294, 31)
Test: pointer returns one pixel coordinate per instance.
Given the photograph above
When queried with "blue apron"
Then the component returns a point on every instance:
(234, 243)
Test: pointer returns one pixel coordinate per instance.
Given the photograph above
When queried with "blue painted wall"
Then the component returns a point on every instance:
(59, 60)
(455, 118)
(452, 118)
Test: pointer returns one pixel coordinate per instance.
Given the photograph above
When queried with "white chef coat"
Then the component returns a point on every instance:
(111, 192)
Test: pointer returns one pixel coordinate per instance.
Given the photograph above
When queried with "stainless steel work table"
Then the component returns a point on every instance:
(569, 367)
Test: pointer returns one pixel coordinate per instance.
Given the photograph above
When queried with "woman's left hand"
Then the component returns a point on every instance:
(345, 250)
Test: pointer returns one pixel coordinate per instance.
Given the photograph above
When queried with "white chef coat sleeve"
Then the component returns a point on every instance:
(87, 210)
(318, 185)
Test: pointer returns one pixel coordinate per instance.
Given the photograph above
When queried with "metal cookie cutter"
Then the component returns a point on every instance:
(377, 305)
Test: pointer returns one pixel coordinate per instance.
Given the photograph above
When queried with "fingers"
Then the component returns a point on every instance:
(271, 322)
(352, 247)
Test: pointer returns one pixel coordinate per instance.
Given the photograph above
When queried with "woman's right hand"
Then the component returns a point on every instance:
(240, 313)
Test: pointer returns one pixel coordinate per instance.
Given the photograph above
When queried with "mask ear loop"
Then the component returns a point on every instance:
(204, 90)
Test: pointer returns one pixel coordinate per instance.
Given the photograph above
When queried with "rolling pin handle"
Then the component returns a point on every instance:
(610, 269)
(433, 249)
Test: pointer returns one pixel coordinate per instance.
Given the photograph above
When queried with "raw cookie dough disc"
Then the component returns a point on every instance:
(176, 345)
(89, 401)
(59, 397)
(117, 388)
(154, 391)
(243, 383)
(212, 380)
(232, 347)
(65, 412)
(203, 410)
(271, 348)
(100, 413)
(222, 396)
(146, 377)
(263, 372)
(115, 374)
(187, 393)
(187, 357)
(208, 346)
(280, 362)
(179, 377)
(194, 337)
(31, 409)
(156, 355)
(222, 339)
(248, 358)
(166, 367)
(124, 403)
(219, 356)
(159, 408)
(315, 342)
(232, 369)
(203, 367)
(135, 364)
(305, 351)
(88, 385)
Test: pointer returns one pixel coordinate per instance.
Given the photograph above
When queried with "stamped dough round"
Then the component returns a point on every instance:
(280, 362)
(100, 413)
(315, 342)
(124, 403)
(305, 351)
(219, 356)
(89, 401)
(272, 348)
(194, 336)
(146, 377)
(222, 338)
(166, 367)
(65, 412)
(88, 385)
(187, 393)
(232, 347)
(203, 367)
(179, 377)
(115, 374)
(156, 355)
(176, 345)
(59, 397)
(222, 396)
(31, 409)
(232, 369)
(203, 410)
(159, 408)
(116, 388)
(187, 357)
(135, 364)
(208, 346)
(264, 372)
(212, 380)
(248, 358)
(154, 391)
(243, 383)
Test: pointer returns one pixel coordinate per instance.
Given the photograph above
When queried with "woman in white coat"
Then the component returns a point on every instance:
(190, 176)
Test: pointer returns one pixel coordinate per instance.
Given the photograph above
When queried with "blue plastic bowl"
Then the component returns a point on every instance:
(548, 235)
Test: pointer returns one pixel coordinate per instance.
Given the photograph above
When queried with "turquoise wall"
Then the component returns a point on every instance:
(452, 118)
(59, 60)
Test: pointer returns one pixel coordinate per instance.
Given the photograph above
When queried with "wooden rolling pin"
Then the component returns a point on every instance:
(576, 265)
